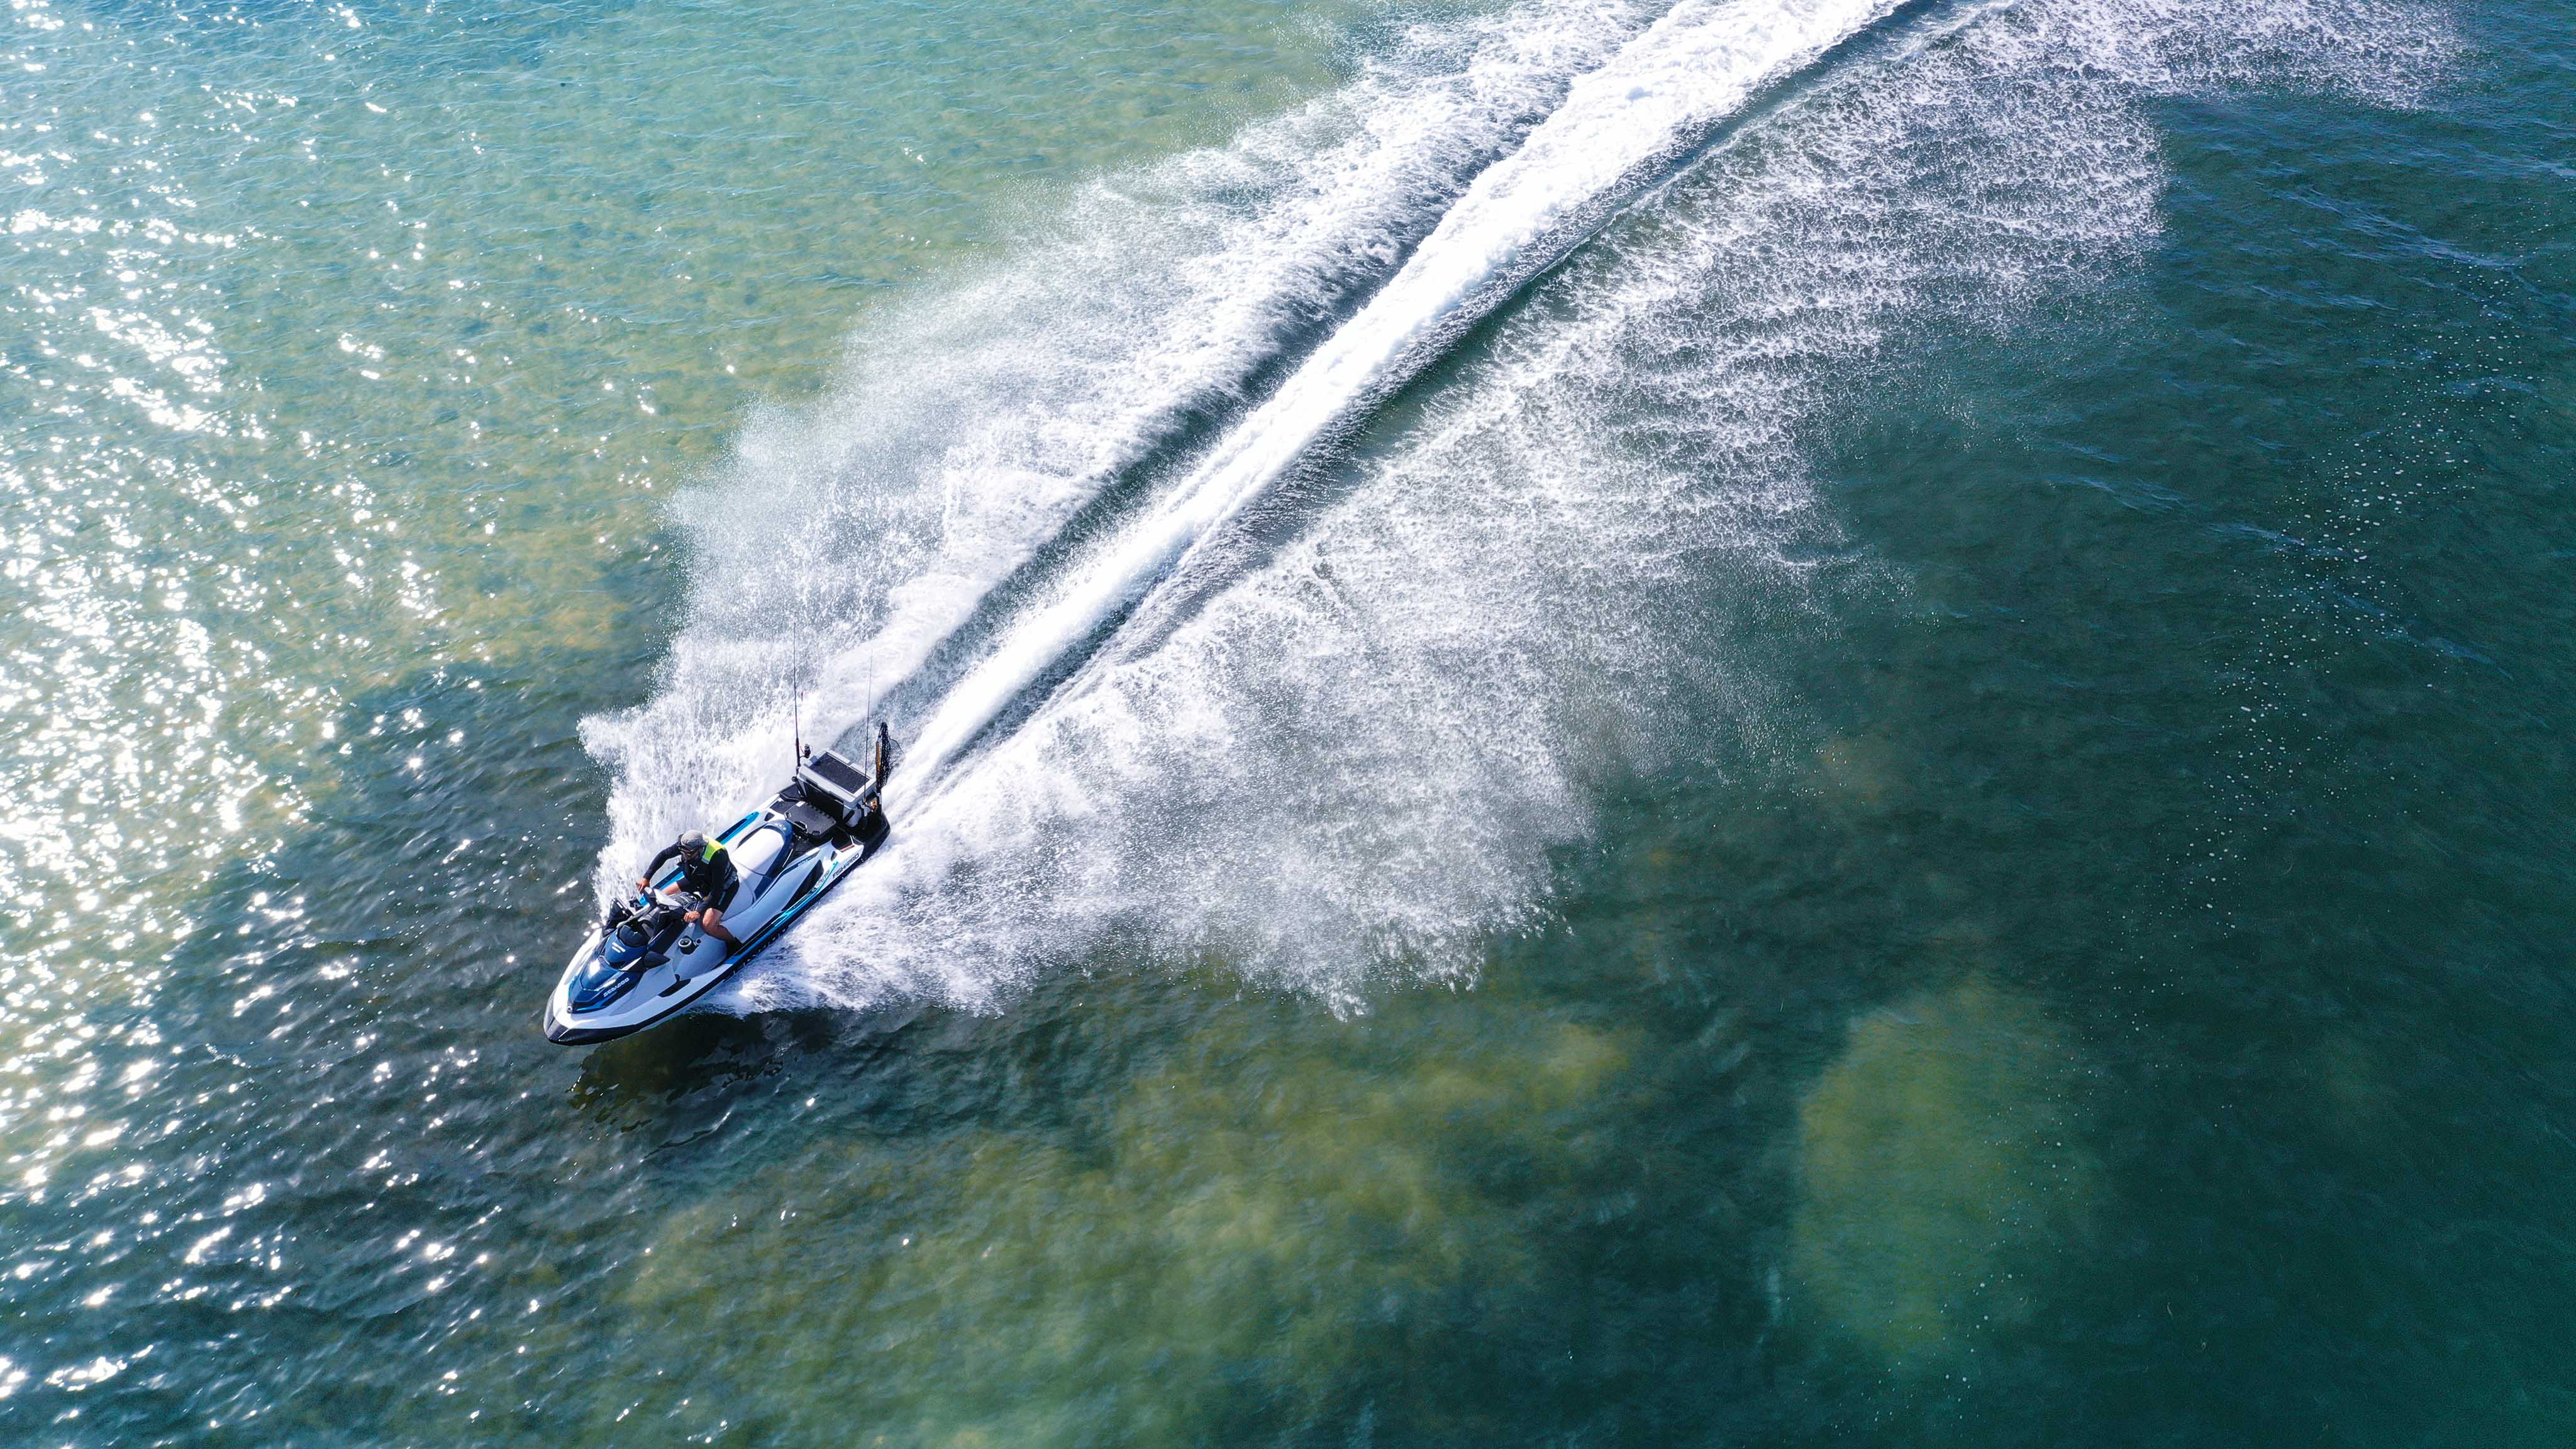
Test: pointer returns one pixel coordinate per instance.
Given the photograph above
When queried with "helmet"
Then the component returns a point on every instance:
(695, 845)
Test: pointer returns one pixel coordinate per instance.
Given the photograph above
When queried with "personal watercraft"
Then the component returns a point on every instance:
(644, 962)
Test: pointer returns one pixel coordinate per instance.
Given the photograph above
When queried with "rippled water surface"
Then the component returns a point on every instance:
(1766, 721)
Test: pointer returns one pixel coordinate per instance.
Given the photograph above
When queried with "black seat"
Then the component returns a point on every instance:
(808, 819)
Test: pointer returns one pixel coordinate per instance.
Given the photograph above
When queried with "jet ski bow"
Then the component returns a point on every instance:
(644, 963)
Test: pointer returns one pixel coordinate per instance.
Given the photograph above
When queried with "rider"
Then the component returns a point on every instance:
(706, 872)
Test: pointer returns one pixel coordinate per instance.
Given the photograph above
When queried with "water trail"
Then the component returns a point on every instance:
(1588, 549)
(843, 543)
(1360, 749)
(1652, 100)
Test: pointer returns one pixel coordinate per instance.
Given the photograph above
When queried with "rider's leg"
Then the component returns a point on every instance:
(711, 921)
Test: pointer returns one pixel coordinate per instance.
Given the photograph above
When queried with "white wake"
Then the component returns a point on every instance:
(1654, 98)
(843, 544)
(1362, 750)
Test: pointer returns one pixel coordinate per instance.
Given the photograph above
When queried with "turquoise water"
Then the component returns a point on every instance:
(1898, 779)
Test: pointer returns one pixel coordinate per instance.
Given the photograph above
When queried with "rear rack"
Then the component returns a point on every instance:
(829, 776)
(831, 793)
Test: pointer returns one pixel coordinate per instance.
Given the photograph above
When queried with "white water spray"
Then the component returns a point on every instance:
(1363, 751)
(842, 545)
(1656, 97)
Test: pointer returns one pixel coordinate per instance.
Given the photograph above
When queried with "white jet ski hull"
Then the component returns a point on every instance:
(787, 856)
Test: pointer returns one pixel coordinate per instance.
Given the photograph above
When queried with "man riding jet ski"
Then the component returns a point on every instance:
(706, 873)
(704, 906)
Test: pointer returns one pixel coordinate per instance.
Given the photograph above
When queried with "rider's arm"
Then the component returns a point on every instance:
(659, 861)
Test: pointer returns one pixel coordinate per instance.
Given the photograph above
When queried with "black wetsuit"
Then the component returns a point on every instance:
(711, 881)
